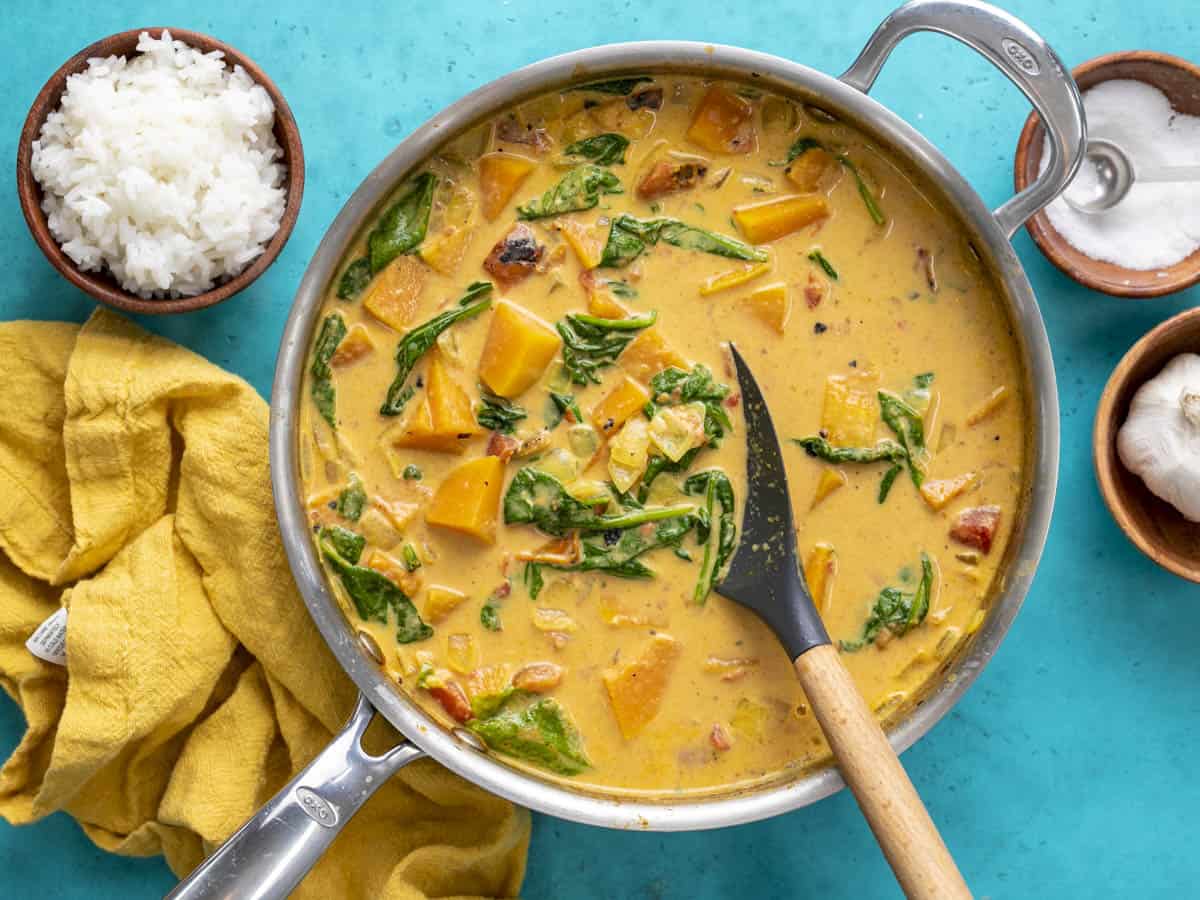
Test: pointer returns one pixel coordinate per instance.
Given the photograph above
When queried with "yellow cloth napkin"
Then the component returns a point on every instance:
(134, 491)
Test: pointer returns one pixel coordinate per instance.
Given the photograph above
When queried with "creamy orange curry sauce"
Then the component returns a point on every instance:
(523, 448)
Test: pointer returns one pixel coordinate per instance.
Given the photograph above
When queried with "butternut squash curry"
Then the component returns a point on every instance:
(523, 448)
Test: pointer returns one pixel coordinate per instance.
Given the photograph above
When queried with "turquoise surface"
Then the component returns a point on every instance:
(1067, 770)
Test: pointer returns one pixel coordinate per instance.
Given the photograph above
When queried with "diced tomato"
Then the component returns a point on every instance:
(502, 445)
(733, 400)
(515, 256)
(452, 699)
(719, 738)
(668, 177)
(814, 291)
(976, 527)
(538, 678)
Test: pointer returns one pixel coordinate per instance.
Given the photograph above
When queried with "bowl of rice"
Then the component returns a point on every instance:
(160, 170)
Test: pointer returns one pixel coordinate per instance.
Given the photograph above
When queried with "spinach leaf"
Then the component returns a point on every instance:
(819, 447)
(629, 236)
(622, 289)
(324, 395)
(487, 704)
(617, 557)
(826, 266)
(497, 414)
(374, 594)
(889, 478)
(348, 545)
(603, 149)
(351, 501)
(415, 344)
(540, 733)
(402, 228)
(356, 277)
(579, 189)
(489, 613)
(906, 422)
(808, 143)
(558, 407)
(539, 499)
(617, 86)
(714, 485)
(691, 387)
(923, 381)
(591, 343)
(896, 610)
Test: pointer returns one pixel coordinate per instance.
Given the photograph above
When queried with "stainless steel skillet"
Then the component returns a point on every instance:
(271, 853)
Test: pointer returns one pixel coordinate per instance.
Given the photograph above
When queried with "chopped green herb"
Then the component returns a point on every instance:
(603, 149)
(617, 86)
(402, 228)
(557, 407)
(412, 561)
(372, 593)
(683, 554)
(416, 342)
(497, 414)
(534, 582)
(896, 610)
(324, 394)
(412, 473)
(628, 238)
(590, 343)
(923, 381)
(540, 733)
(539, 499)
(489, 615)
(352, 500)
(909, 427)
(889, 478)
(715, 486)
(356, 277)
(819, 447)
(622, 289)
(578, 190)
(826, 266)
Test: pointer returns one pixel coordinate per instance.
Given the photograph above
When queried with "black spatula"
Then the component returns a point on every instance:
(765, 576)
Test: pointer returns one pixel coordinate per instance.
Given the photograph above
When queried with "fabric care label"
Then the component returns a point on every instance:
(49, 641)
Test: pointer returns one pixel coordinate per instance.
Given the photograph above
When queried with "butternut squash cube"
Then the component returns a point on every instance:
(996, 399)
(811, 168)
(440, 601)
(648, 354)
(819, 570)
(444, 251)
(772, 305)
(938, 492)
(772, 219)
(733, 278)
(500, 176)
(623, 401)
(587, 241)
(393, 295)
(440, 419)
(468, 500)
(354, 346)
(723, 123)
(850, 410)
(602, 303)
(636, 689)
(519, 346)
(830, 481)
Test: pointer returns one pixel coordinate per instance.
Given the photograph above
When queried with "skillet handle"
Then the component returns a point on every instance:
(869, 765)
(1022, 55)
(268, 856)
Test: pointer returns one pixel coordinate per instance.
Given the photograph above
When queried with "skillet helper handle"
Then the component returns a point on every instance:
(1021, 54)
(268, 856)
(869, 765)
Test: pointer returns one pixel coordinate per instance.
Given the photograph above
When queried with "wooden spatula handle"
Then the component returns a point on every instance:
(890, 803)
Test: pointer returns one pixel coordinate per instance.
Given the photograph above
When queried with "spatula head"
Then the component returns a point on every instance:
(765, 574)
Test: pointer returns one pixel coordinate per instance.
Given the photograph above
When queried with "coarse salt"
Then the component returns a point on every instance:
(1156, 224)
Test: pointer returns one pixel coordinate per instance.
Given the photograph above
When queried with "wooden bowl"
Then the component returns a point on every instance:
(102, 285)
(1155, 527)
(1180, 81)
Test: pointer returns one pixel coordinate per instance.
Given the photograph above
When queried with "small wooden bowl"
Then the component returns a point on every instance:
(1155, 527)
(1180, 81)
(102, 285)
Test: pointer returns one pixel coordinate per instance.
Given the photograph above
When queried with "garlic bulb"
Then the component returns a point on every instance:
(1160, 440)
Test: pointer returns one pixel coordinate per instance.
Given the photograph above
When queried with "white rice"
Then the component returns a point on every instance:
(162, 168)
